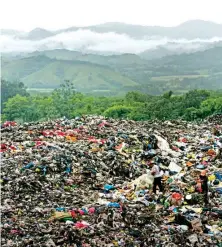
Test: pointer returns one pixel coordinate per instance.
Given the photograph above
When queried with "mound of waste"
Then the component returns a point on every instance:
(87, 182)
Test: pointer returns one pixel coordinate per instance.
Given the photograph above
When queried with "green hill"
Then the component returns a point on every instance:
(117, 73)
(43, 72)
(136, 67)
(207, 59)
(16, 69)
(114, 61)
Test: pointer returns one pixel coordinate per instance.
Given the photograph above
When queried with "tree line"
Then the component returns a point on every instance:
(17, 104)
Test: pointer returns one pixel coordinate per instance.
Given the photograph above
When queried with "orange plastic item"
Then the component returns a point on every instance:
(211, 152)
(189, 163)
(119, 146)
(71, 138)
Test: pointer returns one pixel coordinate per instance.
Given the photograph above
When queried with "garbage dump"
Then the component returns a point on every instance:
(93, 181)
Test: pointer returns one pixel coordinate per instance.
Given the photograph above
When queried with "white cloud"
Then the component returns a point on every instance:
(86, 40)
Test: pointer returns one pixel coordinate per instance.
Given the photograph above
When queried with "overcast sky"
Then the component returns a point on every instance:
(55, 14)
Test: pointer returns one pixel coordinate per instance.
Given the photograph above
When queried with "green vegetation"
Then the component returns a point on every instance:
(9, 90)
(43, 72)
(193, 105)
(117, 74)
(179, 86)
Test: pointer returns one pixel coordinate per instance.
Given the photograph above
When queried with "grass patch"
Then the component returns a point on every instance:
(39, 91)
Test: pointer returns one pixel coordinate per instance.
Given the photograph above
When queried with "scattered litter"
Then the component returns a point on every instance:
(88, 182)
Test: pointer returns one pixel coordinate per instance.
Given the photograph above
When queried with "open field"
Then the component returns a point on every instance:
(174, 77)
(37, 91)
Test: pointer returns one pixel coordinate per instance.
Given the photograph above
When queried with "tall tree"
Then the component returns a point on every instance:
(10, 89)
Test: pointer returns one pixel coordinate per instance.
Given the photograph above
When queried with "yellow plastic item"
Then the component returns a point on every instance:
(59, 215)
(95, 150)
(191, 189)
(171, 219)
(212, 177)
(115, 243)
(71, 138)
(19, 212)
(165, 178)
(191, 155)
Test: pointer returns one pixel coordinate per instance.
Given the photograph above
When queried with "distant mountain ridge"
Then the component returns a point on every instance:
(38, 34)
(177, 49)
(117, 73)
(188, 30)
(117, 57)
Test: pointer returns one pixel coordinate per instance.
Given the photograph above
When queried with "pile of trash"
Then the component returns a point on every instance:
(88, 182)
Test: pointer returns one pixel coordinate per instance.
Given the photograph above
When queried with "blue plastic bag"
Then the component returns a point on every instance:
(109, 187)
(114, 205)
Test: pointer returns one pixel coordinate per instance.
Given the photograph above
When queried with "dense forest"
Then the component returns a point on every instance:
(17, 104)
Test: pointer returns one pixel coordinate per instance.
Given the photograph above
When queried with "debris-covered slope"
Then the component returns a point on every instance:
(87, 182)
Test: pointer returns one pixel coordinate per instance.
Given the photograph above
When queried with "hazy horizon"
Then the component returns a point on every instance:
(97, 24)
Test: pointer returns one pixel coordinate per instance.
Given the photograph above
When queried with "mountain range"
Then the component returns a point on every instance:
(117, 38)
(194, 29)
(114, 58)
(93, 73)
